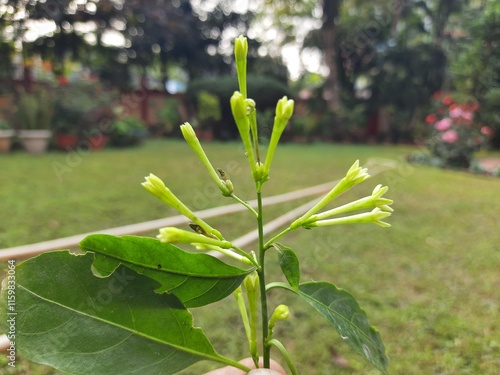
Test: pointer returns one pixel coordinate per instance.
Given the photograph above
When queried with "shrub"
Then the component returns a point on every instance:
(454, 135)
(126, 132)
(169, 115)
(209, 111)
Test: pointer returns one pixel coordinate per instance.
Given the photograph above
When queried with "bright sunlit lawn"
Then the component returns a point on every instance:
(429, 283)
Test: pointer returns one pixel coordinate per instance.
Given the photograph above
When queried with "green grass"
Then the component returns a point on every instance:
(429, 283)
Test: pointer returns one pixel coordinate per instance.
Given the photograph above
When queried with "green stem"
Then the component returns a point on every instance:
(250, 208)
(246, 255)
(262, 279)
(285, 355)
(272, 240)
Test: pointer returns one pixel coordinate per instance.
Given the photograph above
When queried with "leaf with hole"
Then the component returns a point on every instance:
(196, 279)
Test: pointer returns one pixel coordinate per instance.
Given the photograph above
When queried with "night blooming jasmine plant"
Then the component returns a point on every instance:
(121, 306)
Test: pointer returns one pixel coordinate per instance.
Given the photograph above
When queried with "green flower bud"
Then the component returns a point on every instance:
(240, 55)
(191, 138)
(227, 181)
(281, 312)
(239, 107)
(227, 252)
(252, 283)
(175, 235)
(375, 216)
(240, 48)
(284, 108)
(375, 200)
(156, 187)
(354, 176)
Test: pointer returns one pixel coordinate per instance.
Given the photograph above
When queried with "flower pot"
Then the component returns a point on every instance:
(66, 142)
(5, 140)
(35, 141)
(97, 141)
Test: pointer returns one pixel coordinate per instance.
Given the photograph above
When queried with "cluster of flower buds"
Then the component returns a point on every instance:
(244, 114)
(380, 206)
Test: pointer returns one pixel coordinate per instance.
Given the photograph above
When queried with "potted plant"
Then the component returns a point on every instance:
(79, 111)
(34, 114)
(6, 134)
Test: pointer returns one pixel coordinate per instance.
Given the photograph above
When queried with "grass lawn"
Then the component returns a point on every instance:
(429, 283)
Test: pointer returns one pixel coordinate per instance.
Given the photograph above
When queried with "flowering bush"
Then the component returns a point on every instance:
(454, 134)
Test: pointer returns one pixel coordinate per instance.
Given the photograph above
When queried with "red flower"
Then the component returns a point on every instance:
(430, 119)
(473, 106)
(63, 81)
(486, 130)
(453, 106)
(436, 95)
(447, 100)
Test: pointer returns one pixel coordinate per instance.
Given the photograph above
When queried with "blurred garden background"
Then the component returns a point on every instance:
(106, 84)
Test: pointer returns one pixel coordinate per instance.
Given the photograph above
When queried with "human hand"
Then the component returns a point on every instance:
(276, 369)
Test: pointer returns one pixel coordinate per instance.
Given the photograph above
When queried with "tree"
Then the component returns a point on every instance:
(475, 67)
(147, 33)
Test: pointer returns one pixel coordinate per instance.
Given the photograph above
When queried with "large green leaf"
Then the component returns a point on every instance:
(196, 279)
(78, 323)
(343, 312)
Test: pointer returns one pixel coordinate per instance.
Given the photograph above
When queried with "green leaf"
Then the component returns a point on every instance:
(289, 264)
(342, 311)
(196, 279)
(69, 319)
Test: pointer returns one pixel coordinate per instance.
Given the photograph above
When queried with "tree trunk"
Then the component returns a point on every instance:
(332, 85)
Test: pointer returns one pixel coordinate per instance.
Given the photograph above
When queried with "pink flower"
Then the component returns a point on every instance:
(467, 116)
(443, 124)
(456, 112)
(486, 130)
(450, 136)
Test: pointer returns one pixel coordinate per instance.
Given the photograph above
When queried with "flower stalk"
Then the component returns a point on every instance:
(190, 136)
(155, 186)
